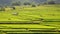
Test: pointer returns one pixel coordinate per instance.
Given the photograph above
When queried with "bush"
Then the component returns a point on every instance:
(33, 5)
(27, 3)
(2, 9)
(51, 2)
(13, 8)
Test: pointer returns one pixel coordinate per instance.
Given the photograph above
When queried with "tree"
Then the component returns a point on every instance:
(51, 2)
(33, 5)
(16, 3)
(27, 3)
(13, 8)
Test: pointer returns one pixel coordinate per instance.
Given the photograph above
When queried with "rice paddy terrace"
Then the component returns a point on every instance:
(41, 19)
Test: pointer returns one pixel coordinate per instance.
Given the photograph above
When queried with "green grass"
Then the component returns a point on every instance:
(36, 26)
(31, 14)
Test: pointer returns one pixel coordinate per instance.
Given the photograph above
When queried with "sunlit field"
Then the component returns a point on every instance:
(30, 13)
(40, 17)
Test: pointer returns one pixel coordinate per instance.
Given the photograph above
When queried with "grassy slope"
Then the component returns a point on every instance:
(31, 13)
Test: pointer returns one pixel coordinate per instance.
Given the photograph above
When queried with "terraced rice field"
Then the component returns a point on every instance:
(31, 13)
(41, 18)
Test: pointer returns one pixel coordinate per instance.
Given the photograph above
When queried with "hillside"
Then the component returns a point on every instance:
(9, 2)
(31, 19)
